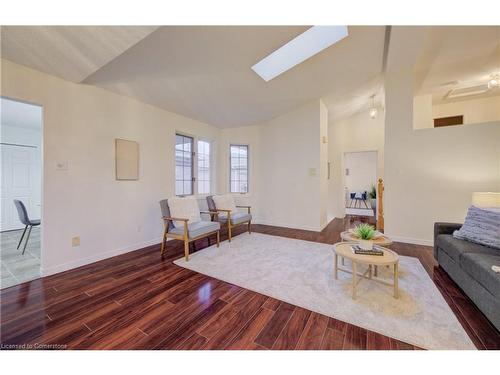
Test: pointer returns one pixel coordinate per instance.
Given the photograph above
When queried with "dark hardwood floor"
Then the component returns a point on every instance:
(137, 301)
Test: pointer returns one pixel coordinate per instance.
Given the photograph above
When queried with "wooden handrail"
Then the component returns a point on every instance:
(380, 207)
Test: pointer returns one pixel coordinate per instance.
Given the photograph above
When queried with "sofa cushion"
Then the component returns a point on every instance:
(197, 229)
(481, 226)
(184, 208)
(478, 266)
(237, 218)
(455, 248)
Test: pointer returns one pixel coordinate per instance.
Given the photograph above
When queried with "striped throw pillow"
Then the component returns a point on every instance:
(481, 226)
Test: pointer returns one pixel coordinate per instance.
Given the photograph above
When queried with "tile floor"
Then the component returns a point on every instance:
(15, 267)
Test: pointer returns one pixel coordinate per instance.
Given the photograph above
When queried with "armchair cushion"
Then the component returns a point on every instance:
(224, 202)
(197, 229)
(237, 218)
(185, 208)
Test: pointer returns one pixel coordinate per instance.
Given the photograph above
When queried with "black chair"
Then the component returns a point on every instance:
(23, 217)
(358, 198)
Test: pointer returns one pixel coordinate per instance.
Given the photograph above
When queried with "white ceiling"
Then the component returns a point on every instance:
(18, 114)
(205, 72)
(69, 52)
(456, 57)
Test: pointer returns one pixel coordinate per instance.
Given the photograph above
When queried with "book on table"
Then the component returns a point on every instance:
(375, 251)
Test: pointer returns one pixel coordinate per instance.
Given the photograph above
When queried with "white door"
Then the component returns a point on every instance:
(20, 179)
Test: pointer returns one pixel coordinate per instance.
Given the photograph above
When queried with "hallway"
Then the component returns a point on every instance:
(15, 267)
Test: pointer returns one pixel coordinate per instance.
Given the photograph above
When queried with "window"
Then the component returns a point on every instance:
(203, 167)
(183, 165)
(239, 168)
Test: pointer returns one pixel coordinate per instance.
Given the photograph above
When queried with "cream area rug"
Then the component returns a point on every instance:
(301, 273)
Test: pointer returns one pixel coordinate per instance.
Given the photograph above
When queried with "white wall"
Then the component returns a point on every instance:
(353, 134)
(475, 111)
(323, 168)
(422, 112)
(290, 169)
(287, 167)
(80, 125)
(248, 135)
(430, 174)
(282, 152)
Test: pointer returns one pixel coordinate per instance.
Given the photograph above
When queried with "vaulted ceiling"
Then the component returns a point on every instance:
(204, 72)
(454, 57)
(69, 52)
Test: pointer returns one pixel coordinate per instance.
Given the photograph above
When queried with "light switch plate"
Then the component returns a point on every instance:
(312, 171)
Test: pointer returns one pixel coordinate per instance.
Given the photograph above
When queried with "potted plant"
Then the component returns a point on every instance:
(372, 194)
(365, 233)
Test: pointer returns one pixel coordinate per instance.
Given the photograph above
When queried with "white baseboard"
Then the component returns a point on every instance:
(413, 241)
(285, 225)
(97, 257)
(108, 254)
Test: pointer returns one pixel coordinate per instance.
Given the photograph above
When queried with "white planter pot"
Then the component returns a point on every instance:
(366, 244)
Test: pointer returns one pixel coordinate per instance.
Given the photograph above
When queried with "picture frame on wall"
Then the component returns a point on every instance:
(126, 160)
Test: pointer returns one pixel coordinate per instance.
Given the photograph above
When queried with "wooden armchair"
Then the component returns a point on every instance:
(229, 216)
(184, 230)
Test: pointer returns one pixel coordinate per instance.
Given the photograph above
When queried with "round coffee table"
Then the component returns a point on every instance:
(351, 237)
(390, 258)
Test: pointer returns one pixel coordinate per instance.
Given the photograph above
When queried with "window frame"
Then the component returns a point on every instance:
(193, 178)
(194, 165)
(248, 167)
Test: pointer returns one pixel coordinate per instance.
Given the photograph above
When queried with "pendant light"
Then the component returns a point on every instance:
(494, 81)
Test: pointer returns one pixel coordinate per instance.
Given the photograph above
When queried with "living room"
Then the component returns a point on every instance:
(196, 189)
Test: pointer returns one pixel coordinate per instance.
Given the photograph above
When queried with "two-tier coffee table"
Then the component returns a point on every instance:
(350, 236)
(390, 258)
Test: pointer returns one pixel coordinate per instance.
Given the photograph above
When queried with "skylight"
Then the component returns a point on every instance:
(299, 49)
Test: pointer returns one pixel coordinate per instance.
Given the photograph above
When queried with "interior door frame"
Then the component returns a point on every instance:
(377, 153)
(42, 172)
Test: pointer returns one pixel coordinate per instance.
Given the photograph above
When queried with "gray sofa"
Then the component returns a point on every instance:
(469, 265)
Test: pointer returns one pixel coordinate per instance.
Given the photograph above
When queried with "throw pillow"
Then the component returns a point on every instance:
(481, 226)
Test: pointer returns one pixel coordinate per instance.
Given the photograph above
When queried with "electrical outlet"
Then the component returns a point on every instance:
(62, 165)
(139, 228)
(75, 241)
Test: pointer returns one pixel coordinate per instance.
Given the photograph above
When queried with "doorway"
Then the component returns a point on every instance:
(21, 180)
(360, 181)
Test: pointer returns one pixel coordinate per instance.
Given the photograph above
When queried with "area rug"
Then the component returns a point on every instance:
(301, 273)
